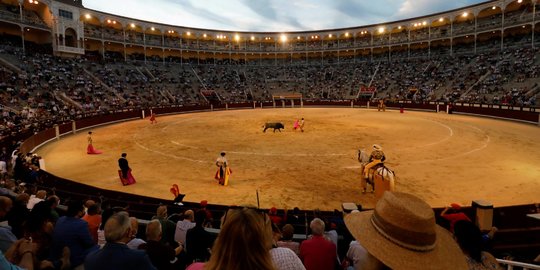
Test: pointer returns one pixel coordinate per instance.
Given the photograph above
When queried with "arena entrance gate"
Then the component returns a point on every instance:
(290, 100)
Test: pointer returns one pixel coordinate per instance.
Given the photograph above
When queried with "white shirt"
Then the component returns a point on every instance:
(181, 229)
(222, 161)
(286, 259)
(33, 201)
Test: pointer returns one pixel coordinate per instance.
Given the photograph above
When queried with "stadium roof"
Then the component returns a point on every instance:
(274, 15)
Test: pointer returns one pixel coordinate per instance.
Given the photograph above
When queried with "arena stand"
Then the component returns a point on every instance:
(108, 73)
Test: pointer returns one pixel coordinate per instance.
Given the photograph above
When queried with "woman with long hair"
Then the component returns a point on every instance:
(244, 242)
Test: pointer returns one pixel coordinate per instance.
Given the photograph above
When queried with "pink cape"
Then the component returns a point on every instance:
(92, 151)
(130, 180)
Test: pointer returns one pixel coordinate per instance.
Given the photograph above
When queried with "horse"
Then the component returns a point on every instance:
(379, 170)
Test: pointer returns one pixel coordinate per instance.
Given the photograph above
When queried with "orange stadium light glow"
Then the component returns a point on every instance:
(283, 38)
(88, 16)
(132, 25)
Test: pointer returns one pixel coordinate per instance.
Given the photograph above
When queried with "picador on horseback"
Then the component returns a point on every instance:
(375, 158)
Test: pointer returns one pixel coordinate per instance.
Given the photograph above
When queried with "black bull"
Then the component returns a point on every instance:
(275, 126)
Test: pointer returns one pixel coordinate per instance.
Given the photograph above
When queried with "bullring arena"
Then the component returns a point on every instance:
(440, 157)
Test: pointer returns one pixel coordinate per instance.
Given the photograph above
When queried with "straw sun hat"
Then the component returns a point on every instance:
(401, 233)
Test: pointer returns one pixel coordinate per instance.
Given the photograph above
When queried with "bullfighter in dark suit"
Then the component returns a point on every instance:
(125, 171)
(123, 164)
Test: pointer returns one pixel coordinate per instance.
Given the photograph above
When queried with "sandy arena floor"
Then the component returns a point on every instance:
(441, 158)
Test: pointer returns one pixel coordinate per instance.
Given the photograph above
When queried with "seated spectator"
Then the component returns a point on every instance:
(198, 240)
(272, 213)
(40, 196)
(293, 217)
(209, 216)
(183, 226)
(135, 242)
(71, 231)
(401, 233)
(318, 252)
(39, 227)
(115, 255)
(453, 214)
(235, 248)
(160, 254)
(105, 215)
(358, 258)
(54, 202)
(93, 217)
(286, 240)
(7, 238)
(470, 240)
(167, 226)
(283, 258)
(18, 214)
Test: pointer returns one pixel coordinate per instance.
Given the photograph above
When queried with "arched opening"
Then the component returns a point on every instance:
(70, 37)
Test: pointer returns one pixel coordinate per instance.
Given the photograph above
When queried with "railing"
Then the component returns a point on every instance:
(70, 49)
(509, 265)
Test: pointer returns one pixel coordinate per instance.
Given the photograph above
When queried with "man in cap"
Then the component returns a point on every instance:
(123, 164)
(401, 233)
(377, 156)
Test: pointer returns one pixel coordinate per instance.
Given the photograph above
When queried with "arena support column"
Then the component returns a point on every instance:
(539, 119)
(73, 126)
(226, 106)
(292, 103)
(142, 113)
(57, 132)
(367, 104)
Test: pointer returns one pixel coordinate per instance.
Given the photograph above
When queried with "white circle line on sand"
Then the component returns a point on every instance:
(286, 155)
(450, 131)
(485, 143)
(163, 129)
(165, 154)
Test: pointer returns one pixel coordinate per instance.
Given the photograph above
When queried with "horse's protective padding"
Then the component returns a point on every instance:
(380, 186)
